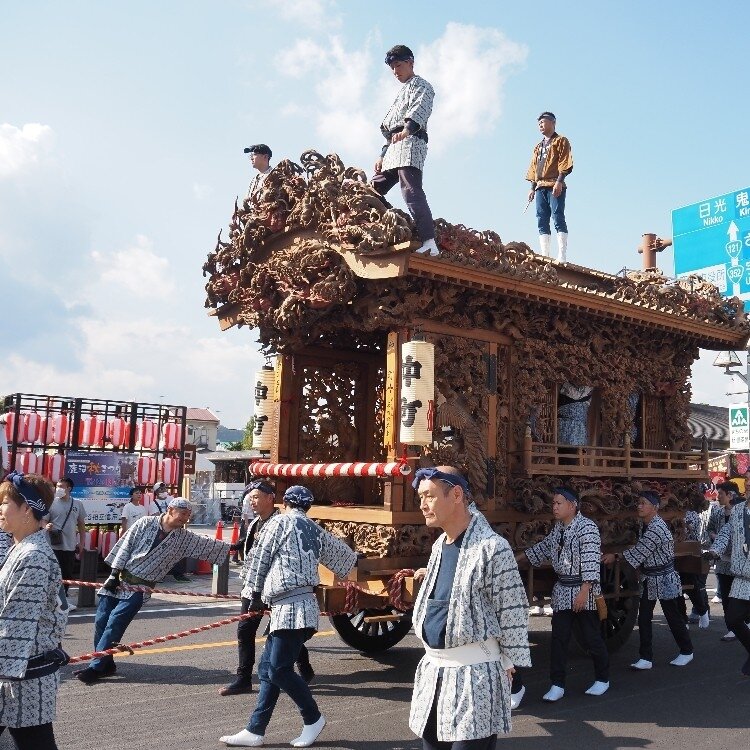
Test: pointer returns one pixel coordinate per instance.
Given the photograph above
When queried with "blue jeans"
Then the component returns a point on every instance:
(276, 673)
(112, 619)
(548, 206)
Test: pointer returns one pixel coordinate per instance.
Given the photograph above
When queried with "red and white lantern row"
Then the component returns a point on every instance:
(28, 462)
(10, 423)
(91, 431)
(148, 435)
(54, 466)
(169, 470)
(146, 470)
(264, 393)
(417, 419)
(32, 426)
(118, 432)
(172, 437)
(58, 428)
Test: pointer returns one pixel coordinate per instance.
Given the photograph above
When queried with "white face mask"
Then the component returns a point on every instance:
(59, 493)
(162, 495)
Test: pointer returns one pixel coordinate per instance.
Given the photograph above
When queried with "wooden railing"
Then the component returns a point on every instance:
(592, 460)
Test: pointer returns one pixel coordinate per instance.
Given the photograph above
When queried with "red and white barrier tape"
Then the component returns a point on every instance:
(391, 469)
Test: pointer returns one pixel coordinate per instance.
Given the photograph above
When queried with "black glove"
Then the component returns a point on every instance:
(112, 582)
(709, 555)
(256, 603)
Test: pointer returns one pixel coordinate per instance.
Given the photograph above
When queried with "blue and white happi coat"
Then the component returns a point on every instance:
(32, 620)
(133, 552)
(573, 550)
(285, 557)
(6, 544)
(717, 519)
(692, 526)
(731, 540)
(655, 549)
(487, 601)
(413, 102)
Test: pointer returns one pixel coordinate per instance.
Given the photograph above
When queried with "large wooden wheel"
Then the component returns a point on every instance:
(373, 636)
(622, 607)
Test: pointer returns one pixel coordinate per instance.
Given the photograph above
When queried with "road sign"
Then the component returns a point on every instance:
(712, 239)
(739, 434)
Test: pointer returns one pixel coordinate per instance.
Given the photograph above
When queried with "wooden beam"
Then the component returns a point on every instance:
(475, 334)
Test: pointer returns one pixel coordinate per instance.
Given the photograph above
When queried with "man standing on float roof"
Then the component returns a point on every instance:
(551, 163)
(405, 130)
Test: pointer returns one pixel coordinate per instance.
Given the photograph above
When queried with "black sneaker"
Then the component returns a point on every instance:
(88, 676)
(306, 672)
(239, 686)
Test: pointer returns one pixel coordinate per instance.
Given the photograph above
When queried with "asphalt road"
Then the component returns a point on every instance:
(166, 698)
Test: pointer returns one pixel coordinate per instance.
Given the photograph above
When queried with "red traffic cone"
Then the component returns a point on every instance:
(204, 567)
(235, 533)
(219, 530)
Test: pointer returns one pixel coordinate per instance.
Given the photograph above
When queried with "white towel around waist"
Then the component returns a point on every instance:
(464, 656)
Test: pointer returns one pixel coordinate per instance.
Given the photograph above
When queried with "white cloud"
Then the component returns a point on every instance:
(22, 147)
(201, 192)
(137, 268)
(317, 14)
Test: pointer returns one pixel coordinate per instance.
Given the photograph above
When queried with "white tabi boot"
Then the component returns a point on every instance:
(242, 739)
(545, 242)
(681, 660)
(516, 698)
(562, 246)
(553, 694)
(704, 620)
(310, 733)
(598, 688)
(641, 664)
(429, 248)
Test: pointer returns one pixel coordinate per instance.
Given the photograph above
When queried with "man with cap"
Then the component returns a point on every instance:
(471, 614)
(404, 128)
(728, 496)
(262, 496)
(574, 549)
(260, 158)
(142, 556)
(734, 538)
(283, 572)
(653, 555)
(160, 500)
(551, 163)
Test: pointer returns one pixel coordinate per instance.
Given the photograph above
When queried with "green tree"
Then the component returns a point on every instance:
(247, 438)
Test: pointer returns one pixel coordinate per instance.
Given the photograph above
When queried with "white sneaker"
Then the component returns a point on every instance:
(536, 610)
(242, 739)
(310, 733)
(553, 694)
(716, 599)
(547, 610)
(729, 636)
(428, 248)
(598, 688)
(641, 664)
(681, 660)
(704, 621)
(72, 607)
(516, 698)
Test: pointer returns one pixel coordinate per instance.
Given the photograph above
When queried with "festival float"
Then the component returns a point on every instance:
(525, 373)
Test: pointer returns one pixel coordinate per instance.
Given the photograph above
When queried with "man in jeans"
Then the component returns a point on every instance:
(68, 516)
(284, 573)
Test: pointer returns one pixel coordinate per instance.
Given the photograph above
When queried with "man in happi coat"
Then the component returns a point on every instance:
(404, 128)
(734, 537)
(284, 573)
(142, 556)
(653, 556)
(574, 549)
(472, 615)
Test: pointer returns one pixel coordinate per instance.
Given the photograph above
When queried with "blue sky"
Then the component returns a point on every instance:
(122, 127)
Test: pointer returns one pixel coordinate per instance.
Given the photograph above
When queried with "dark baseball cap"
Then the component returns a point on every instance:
(259, 148)
(546, 116)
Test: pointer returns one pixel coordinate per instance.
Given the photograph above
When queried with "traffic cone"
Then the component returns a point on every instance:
(235, 533)
(219, 530)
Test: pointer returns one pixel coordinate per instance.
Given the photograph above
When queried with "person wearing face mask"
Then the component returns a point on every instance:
(65, 522)
(160, 501)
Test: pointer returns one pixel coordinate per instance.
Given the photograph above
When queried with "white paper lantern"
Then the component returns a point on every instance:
(118, 432)
(263, 391)
(147, 434)
(146, 470)
(91, 431)
(28, 463)
(58, 431)
(168, 471)
(172, 436)
(32, 427)
(417, 414)
(54, 466)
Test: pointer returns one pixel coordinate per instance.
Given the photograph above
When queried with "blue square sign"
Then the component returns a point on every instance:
(712, 239)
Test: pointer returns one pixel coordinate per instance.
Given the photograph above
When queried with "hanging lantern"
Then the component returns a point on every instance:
(32, 427)
(91, 433)
(28, 462)
(169, 470)
(107, 540)
(118, 432)
(147, 435)
(146, 471)
(10, 421)
(60, 427)
(172, 436)
(54, 466)
(417, 419)
(263, 392)
(92, 538)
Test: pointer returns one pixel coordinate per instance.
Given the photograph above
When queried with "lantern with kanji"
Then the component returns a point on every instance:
(118, 432)
(148, 434)
(172, 436)
(263, 421)
(417, 418)
(146, 470)
(54, 466)
(169, 470)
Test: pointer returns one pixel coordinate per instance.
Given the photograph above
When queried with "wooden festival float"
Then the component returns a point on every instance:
(544, 374)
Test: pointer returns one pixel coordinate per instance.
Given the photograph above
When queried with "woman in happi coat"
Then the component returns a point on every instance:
(32, 615)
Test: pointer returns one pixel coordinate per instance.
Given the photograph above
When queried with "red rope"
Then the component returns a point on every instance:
(147, 590)
(395, 590)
